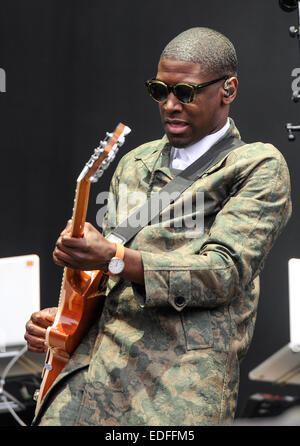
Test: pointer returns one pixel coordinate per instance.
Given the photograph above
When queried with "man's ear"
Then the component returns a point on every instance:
(230, 90)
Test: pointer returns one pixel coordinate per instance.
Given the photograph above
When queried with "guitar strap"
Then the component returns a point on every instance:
(149, 211)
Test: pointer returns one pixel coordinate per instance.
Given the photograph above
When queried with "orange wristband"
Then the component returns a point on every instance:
(120, 252)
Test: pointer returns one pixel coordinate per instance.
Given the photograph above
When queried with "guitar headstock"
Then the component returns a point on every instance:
(104, 154)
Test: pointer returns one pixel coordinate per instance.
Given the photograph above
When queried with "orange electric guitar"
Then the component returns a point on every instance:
(80, 295)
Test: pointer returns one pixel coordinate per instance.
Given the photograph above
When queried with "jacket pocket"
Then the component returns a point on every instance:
(197, 329)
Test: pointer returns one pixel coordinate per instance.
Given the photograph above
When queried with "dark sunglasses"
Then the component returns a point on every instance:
(183, 91)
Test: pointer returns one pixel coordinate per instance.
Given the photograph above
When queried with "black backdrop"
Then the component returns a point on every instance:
(75, 68)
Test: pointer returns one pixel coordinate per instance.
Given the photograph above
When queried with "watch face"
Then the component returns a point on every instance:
(116, 265)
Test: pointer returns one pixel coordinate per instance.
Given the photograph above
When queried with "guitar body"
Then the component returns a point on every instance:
(80, 300)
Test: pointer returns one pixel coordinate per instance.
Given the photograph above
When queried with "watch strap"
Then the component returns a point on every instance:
(120, 252)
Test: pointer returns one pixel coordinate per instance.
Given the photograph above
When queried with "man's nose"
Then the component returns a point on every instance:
(172, 103)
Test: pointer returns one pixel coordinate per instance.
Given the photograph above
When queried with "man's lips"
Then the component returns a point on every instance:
(176, 126)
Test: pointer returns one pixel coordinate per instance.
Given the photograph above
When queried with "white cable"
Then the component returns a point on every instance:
(2, 383)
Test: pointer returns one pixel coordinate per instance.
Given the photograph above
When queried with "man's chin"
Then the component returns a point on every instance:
(178, 141)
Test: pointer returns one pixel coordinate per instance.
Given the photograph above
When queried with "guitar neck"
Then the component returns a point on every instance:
(80, 207)
(92, 171)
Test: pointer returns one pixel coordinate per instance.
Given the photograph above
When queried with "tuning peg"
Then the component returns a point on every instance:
(127, 130)
(98, 150)
(94, 157)
(103, 144)
(105, 164)
(97, 175)
(121, 141)
(111, 156)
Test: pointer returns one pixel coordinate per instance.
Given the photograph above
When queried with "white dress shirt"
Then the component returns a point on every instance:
(183, 157)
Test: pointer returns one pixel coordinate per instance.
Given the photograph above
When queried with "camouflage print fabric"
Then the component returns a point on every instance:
(169, 353)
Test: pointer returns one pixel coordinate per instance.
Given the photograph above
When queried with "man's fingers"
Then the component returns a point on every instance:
(61, 258)
(71, 242)
(35, 337)
(36, 329)
(35, 344)
(42, 319)
(71, 245)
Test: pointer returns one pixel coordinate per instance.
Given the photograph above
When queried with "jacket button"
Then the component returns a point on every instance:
(179, 301)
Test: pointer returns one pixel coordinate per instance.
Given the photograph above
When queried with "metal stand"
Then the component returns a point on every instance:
(7, 401)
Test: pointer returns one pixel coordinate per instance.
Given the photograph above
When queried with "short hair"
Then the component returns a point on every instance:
(207, 47)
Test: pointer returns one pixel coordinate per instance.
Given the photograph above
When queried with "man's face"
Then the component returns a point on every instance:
(186, 124)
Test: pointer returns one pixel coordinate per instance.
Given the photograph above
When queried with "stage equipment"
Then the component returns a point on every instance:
(20, 297)
(289, 6)
(283, 367)
(266, 405)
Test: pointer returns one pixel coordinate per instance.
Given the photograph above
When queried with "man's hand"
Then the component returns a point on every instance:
(36, 329)
(94, 252)
(91, 252)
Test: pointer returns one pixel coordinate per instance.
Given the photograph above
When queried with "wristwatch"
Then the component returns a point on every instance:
(116, 263)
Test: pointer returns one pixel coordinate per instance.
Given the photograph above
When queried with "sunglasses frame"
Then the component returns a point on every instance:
(171, 88)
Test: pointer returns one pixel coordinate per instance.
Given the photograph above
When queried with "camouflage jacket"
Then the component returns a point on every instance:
(168, 353)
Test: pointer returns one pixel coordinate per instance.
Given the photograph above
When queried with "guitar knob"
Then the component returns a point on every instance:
(36, 395)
